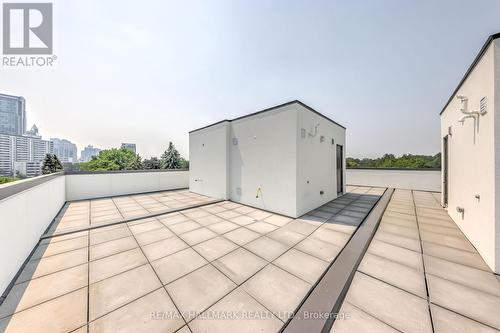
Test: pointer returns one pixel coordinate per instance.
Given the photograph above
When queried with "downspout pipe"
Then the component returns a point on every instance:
(465, 109)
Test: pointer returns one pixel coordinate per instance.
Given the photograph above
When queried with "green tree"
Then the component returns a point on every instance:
(152, 163)
(4, 180)
(113, 159)
(391, 161)
(51, 164)
(184, 163)
(171, 159)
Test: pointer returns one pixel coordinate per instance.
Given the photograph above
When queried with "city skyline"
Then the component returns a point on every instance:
(383, 70)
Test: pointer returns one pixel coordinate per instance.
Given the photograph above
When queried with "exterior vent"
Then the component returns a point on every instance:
(303, 133)
(235, 141)
(482, 106)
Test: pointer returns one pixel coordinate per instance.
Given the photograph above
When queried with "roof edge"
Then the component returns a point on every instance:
(270, 109)
(482, 51)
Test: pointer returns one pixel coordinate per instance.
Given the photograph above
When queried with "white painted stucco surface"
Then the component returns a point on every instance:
(269, 164)
(24, 217)
(209, 161)
(316, 161)
(87, 186)
(265, 157)
(473, 157)
(425, 180)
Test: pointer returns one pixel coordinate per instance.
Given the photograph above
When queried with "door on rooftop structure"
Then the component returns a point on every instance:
(340, 170)
(445, 171)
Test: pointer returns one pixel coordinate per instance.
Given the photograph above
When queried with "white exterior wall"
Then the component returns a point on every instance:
(24, 217)
(472, 161)
(424, 180)
(268, 164)
(265, 157)
(317, 161)
(209, 161)
(87, 186)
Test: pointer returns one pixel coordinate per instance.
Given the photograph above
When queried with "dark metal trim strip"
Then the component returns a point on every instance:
(135, 218)
(326, 299)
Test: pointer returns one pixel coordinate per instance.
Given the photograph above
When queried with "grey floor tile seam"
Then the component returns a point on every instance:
(423, 265)
(153, 198)
(455, 262)
(58, 253)
(385, 242)
(116, 274)
(392, 285)
(331, 218)
(123, 305)
(88, 271)
(451, 247)
(76, 329)
(157, 276)
(41, 303)
(481, 291)
(258, 302)
(56, 271)
(140, 205)
(462, 315)
(185, 326)
(374, 317)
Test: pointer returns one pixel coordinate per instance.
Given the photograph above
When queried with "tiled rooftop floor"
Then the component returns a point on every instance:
(225, 261)
(420, 274)
(83, 213)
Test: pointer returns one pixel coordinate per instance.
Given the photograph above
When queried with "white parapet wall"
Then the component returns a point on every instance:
(87, 185)
(425, 180)
(24, 216)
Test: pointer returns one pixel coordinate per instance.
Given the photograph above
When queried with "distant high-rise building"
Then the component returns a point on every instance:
(18, 149)
(88, 152)
(65, 150)
(129, 146)
(12, 115)
(33, 132)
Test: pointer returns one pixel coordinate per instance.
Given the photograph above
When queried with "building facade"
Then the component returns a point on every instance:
(23, 149)
(12, 115)
(470, 134)
(65, 150)
(88, 152)
(287, 159)
(129, 146)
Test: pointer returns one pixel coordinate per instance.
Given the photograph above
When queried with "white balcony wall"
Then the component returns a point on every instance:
(26, 214)
(473, 157)
(24, 217)
(96, 185)
(425, 180)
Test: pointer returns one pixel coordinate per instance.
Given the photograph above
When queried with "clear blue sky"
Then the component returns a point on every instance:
(150, 71)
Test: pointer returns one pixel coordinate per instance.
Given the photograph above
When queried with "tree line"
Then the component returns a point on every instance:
(390, 161)
(124, 159)
(119, 159)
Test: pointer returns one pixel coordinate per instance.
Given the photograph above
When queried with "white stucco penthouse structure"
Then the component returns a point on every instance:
(470, 132)
(288, 159)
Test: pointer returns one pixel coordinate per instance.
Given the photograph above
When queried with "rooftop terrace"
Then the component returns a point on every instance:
(176, 261)
(160, 273)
